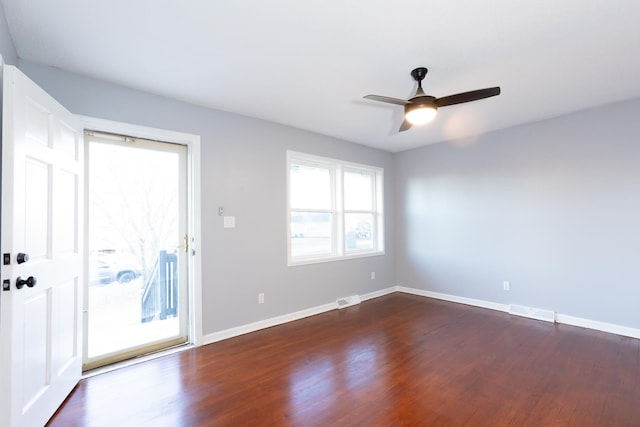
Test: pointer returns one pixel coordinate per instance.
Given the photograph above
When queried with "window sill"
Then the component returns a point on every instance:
(307, 261)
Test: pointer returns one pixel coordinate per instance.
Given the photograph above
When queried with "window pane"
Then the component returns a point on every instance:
(310, 187)
(358, 231)
(358, 191)
(310, 233)
(333, 209)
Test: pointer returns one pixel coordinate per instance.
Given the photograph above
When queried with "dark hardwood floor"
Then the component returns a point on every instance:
(398, 360)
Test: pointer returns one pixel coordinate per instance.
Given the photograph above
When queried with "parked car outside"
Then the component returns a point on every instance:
(105, 269)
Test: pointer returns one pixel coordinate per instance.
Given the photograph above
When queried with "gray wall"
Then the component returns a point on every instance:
(244, 170)
(7, 50)
(553, 207)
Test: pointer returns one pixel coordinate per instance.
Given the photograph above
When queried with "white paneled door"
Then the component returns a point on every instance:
(41, 239)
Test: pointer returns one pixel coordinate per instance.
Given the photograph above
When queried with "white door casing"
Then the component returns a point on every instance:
(42, 216)
(194, 220)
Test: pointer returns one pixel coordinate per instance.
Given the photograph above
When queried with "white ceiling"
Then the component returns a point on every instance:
(307, 64)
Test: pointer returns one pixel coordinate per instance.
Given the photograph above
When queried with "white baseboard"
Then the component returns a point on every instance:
(598, 326)
(454, 298)
(559, 318)
(378, 294)
(274, 321)
(267, 323)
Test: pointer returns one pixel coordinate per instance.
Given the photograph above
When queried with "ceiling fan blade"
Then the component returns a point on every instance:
(473, 95)
(404, 126)
(387, 99)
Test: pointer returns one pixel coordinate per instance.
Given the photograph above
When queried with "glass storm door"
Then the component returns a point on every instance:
(137, 247)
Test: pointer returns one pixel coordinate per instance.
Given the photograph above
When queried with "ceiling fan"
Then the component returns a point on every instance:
(422, 108)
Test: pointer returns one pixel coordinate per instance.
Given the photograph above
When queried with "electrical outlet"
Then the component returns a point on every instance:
(260, 298)
(506, 285)
(373, 275)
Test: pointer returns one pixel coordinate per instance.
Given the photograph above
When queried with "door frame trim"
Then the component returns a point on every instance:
(192, 142)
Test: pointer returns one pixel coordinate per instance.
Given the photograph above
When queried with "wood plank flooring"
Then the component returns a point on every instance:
(398, 360)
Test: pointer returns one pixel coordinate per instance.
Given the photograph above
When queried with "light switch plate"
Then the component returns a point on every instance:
(229, 222)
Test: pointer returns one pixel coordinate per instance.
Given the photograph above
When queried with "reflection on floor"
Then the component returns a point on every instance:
(397, 360)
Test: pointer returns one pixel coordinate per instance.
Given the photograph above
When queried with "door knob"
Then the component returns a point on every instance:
(29, 281)
(21, 258)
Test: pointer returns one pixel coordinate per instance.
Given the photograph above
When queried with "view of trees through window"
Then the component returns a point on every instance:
(134, 213)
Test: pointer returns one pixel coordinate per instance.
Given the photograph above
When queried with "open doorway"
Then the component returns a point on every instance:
(138, 247)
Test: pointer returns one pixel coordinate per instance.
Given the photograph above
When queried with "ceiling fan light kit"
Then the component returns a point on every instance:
(422, 108)
(417, 114)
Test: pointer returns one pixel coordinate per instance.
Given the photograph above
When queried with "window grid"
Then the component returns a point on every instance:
(354, 232)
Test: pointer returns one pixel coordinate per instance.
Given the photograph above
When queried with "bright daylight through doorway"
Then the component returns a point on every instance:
(136, 238)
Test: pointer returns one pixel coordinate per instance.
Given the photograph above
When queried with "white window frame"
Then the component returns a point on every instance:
(337, 169)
